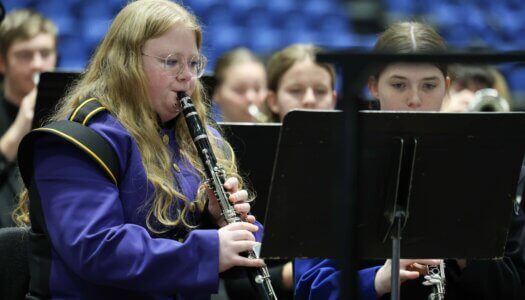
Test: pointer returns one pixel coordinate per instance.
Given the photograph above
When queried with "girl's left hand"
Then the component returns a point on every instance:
(237, 197)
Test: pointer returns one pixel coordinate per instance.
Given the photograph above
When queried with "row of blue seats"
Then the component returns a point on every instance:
(235, 11)
(426, 6)
(75, 51)
(269, 25)
(491, 20)
(70, 26)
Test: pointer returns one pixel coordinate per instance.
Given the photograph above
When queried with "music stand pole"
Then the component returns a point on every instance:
(396, 255)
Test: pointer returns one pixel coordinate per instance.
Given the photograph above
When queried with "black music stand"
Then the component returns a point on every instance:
(305, 186)
(254, 145)
(423, 178)
(51, 88)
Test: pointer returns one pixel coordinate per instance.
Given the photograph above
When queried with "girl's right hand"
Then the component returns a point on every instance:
(234, 239)
(408, 269)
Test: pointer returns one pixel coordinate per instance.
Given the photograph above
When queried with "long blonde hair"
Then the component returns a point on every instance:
(117, 66)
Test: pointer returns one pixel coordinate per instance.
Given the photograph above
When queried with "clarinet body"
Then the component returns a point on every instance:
(216, 176)
(436, 279)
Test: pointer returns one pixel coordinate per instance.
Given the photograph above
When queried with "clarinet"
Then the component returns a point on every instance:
(216, 176)
(436, 279)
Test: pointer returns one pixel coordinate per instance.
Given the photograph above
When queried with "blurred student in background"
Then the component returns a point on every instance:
(241, 89)
(476, 88)
(296, 80)
(27, 48)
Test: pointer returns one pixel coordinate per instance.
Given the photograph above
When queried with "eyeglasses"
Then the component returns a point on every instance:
(174, 64)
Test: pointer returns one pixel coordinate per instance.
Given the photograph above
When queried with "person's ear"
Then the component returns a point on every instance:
(372, 87)
(334, 99)
(271, 99)
(447, 82)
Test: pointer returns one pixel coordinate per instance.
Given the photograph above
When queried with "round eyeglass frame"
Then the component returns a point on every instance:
(202, 60)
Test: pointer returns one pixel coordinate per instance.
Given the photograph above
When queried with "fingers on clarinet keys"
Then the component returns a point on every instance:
(239, 196)
(432, 280)
(434, 277)
(231, 184)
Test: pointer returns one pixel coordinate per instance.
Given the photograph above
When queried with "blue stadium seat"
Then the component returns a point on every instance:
(219, 15)
(281, 6)
(295, 21)
(265, 39)
(458, 37)
(242, 5)
(259, 18)
(201, 7)
(96, 9)
(476, 20)
(14, 4)
(318, 8)
(514, 4)
(405, 7)
(72, 53)
(117, 4)
(332, 22)
(254, 15)
(93, 30)
(53, 9)
(336, 40)
(512, 24)
(67, 25)
(300, 36)
(425, 6)
(221, 37)
(448, 16)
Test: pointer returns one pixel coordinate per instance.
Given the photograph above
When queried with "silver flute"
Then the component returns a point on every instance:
(436, 279)
(216, 176)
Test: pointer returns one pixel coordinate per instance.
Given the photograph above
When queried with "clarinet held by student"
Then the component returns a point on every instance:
(259, 277)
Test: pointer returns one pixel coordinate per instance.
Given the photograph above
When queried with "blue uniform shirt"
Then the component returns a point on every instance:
(319, 279)
(101, 247)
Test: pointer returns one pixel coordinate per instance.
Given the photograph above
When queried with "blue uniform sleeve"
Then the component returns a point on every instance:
(320, 279)
(85, 220)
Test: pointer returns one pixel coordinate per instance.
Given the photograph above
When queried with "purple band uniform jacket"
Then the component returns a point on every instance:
(101, 247)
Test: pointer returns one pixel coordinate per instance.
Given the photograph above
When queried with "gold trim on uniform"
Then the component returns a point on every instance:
(177, 169)
(77, 142)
